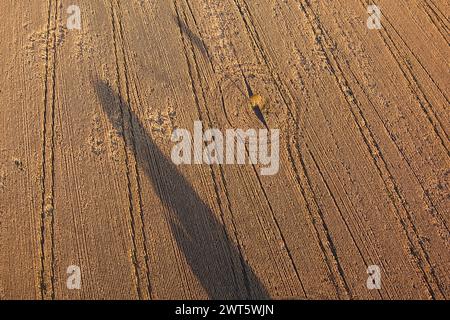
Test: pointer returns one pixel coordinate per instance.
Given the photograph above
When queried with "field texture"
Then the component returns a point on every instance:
(87, 179)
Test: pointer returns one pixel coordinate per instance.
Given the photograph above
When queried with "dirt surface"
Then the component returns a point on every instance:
(86, 176)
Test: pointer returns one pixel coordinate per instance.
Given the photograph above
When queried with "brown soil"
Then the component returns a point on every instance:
(86, 177)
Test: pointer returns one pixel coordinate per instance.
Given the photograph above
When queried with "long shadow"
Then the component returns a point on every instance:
(195, 39)
(214, 259)
(198, 42)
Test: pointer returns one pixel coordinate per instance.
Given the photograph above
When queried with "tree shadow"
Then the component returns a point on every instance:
(195, 39)
(214, 259)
